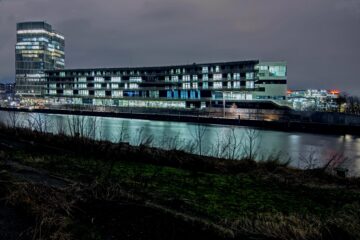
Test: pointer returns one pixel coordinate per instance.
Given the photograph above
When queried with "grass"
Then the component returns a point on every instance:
(217, 196)
(264, 200)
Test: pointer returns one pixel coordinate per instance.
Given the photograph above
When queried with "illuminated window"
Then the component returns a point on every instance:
(186, 85)
(117, 93)
(100, 93)
(174, 78)
(195, 77)
(192, 94)
(205, 69)
(217, 85)
(250, 84)
(236, 84)
(195, 85)
(184, 94)
(263, 68)
(205, 77)
(135, 79)
(217, 69)
(68, 92)
(116, 79)
(236, 76)
(84, 92)
(32, 31)
(217, 76)
(229, 76)
(99, 79)
(133, 85)
(278, 71)
(154, 94)
(205, 85)
(186, 78)
(249, 76)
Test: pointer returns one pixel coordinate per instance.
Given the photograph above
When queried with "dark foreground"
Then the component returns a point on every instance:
(58, 187)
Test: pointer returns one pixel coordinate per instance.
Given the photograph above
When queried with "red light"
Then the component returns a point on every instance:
(335, 92)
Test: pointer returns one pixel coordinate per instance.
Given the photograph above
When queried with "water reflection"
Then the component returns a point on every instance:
(300, 147)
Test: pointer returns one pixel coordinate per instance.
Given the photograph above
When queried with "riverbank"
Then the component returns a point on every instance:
(75, 186)
(281, 125)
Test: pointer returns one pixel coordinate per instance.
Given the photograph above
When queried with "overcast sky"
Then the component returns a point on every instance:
(319, 39)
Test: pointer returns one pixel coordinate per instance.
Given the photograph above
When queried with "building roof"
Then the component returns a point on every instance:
(160, 67)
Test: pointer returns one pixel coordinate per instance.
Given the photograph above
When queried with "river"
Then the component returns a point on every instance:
(303, 149)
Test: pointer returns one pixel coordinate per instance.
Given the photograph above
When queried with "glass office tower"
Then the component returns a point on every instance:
(38, 48)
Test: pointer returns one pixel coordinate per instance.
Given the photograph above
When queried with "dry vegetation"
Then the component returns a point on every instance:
(118, 191)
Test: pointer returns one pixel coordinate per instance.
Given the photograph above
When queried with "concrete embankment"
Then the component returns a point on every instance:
(290, 125)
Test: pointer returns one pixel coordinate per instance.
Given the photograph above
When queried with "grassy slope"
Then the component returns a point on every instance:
(234, 201)
(263, 201)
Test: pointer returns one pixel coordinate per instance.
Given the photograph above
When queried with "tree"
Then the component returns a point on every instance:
(13, 119)
(352, 104)
(60, 126)
(39, 122)
(123, 134)
(340, 101)
(141, 139)
(252, 143)
(198, 133)
(233, 144)
(82, 126)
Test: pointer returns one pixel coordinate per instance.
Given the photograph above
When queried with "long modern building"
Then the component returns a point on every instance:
(183, 86)
(38, 48)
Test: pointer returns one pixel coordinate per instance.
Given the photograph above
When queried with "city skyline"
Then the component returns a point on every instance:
(318, 39)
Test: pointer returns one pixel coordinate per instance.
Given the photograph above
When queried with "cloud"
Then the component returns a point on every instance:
(318, 38)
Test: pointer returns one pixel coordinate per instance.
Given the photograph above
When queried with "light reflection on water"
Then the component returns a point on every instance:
(297, 146)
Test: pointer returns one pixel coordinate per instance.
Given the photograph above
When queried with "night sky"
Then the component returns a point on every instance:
(319, 39)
